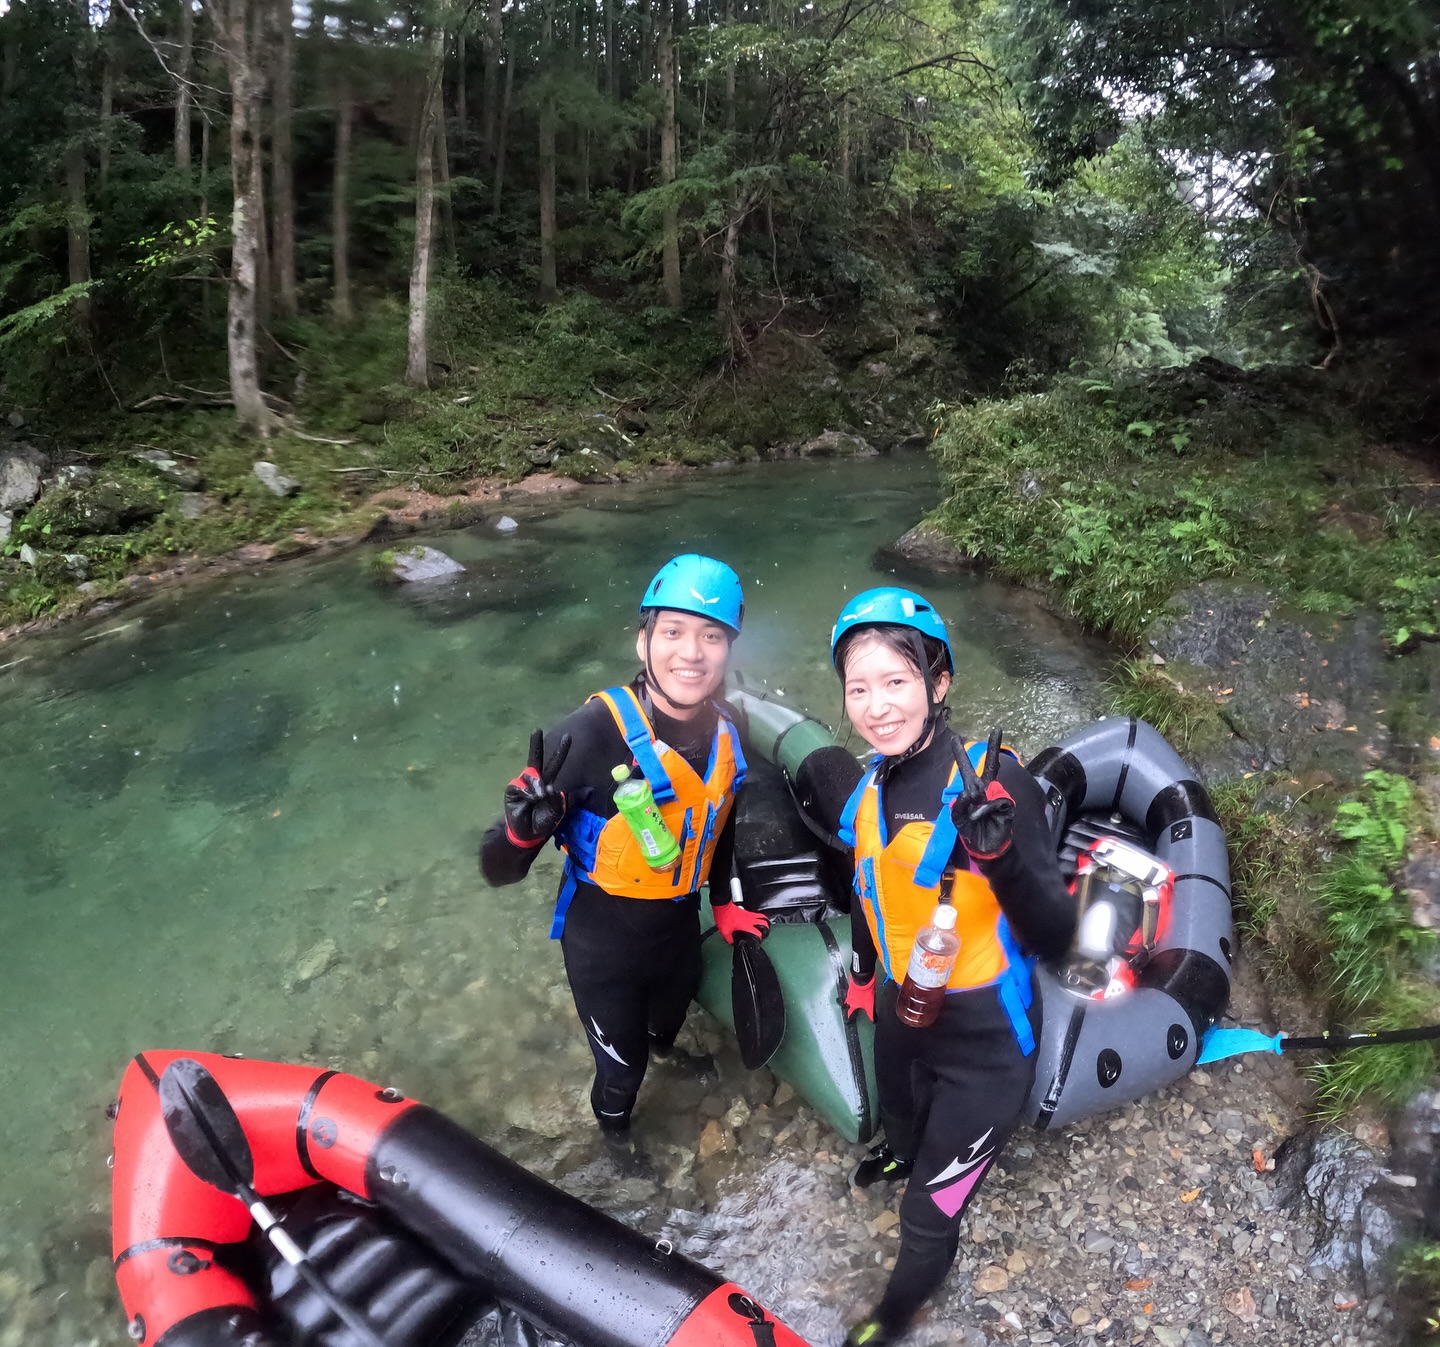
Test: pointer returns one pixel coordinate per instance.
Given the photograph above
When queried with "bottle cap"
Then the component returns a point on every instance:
(620, 773)
(945, 916)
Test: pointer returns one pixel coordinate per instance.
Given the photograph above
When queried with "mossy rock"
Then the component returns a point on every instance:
(109, 506)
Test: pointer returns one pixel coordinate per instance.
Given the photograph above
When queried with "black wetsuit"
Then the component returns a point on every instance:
(951, 1093)
(633, 963)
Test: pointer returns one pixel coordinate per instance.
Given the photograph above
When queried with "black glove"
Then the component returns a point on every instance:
(533, 806)
(985, 814)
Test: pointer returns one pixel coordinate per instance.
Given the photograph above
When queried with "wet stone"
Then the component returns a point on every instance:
(275, 481)
(424, 563)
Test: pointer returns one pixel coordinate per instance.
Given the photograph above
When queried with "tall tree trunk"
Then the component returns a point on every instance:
(548, 287)
(730, 70)
(844, 117)
(340, 198)
(77, 224)
(547, 158)
(494, 40)
(610, 47)
(462, 111)
(417, 368)
(501, 133)
(240, 28)
(442, 160)
(107, 92)
(670, 218)
(282, 161)
(183, 96)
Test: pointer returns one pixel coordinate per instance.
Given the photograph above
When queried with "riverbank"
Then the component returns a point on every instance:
(582, 392)
(1270, 556)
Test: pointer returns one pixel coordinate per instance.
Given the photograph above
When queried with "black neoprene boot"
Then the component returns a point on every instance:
(874, 1331)
(881, 1165)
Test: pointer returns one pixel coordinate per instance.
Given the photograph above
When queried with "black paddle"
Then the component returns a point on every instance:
(209, 1139)
(755, 998)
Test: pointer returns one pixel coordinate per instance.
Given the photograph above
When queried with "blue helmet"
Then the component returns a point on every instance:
(891, 607)
(700, 585)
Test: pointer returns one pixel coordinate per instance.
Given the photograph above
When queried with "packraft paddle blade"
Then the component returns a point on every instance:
(757, 1000)
(203, 1127)
(1221, 1043)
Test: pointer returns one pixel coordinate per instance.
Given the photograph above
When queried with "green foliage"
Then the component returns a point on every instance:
(1418, 1287)
(1119, 493)
(1139, 688)
(1374, 949)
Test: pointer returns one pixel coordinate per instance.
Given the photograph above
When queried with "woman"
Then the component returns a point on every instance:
(932, 821)
(631, 934)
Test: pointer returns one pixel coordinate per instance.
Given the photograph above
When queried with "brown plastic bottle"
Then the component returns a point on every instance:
(932, 959)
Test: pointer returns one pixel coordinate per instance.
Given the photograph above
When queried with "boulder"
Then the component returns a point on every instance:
(1299, 691)
(423, 563)
(168, 468)
(505, 524)
(110, 506)
(7, 525)
(837, 444)
(924, 551)
(20, 478)
(275, 481)
(16, 420)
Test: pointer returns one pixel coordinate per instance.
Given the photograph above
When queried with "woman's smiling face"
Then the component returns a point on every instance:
(885, 695)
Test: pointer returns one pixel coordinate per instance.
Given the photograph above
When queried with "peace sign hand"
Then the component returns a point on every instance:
(533, 804)
(984, 814)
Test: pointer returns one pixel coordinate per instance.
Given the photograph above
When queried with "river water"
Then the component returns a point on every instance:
(244, 818)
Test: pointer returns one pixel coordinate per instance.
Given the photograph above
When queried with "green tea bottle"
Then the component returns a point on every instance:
(636, 803)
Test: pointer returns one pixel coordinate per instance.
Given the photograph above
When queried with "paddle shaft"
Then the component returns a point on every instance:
(1328, 1040)
(295, 1256)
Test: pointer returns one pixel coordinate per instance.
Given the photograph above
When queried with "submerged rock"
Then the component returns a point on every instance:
(315, 962)
(423, 563)
(274, 480)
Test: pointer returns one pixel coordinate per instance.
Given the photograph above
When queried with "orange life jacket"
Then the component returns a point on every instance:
(899, 879)
(604, 852)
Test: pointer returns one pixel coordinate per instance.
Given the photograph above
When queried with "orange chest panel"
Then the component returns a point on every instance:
(695, 818)
(896, 907)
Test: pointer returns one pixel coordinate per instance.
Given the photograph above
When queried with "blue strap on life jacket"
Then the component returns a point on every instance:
(638, 739)
(1016, 991)
(741, 769)
(579, 833)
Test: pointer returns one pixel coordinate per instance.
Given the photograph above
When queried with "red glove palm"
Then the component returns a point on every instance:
(732, 920)
(860, 996)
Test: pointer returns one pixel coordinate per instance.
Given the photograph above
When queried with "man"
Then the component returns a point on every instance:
(630, 933)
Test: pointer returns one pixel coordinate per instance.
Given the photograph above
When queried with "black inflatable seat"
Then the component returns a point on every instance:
(788, 888)
(411, 1295)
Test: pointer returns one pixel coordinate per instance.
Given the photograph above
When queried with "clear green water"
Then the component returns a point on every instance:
(198, 793)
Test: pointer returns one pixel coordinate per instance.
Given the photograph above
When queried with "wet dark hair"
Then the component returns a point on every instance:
(902, 641)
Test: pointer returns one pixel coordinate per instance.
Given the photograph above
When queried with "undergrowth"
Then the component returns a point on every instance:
(1140, 688)
(1329, 923)
(1418, 1288)
(1118, 493)
(584, 389)
(1375, 976)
